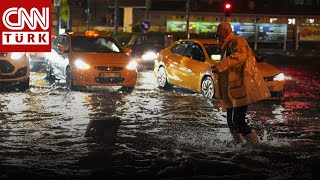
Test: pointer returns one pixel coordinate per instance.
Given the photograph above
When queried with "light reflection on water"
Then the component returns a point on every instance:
(158, 129)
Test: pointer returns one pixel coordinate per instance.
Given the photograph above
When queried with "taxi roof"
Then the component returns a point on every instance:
(71, 33)
(202, 41)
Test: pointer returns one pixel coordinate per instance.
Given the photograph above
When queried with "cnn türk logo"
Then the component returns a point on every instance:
(26, 26)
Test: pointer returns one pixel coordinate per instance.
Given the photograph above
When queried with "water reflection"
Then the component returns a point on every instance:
(105, 111)
(103, 131)
(105, 104)
(54, 131)
(101, 137)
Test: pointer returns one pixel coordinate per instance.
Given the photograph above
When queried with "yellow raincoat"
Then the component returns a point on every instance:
(239, 80)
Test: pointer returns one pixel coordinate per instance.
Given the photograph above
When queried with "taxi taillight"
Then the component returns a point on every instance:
(92, 34)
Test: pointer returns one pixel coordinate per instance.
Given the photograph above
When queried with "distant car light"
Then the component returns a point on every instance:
(279, 77)
(216, 57)
(132, 65)
(149, 56)
(81, 65)
(17, 55)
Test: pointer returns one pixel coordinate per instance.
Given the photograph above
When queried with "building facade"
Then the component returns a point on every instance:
(101, 14)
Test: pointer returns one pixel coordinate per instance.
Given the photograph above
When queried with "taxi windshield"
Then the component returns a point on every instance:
(146, 39)
(97, 44)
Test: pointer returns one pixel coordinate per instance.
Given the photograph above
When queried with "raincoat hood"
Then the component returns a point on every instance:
(225, 42)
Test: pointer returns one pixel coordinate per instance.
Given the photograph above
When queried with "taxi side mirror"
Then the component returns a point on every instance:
(62, 48)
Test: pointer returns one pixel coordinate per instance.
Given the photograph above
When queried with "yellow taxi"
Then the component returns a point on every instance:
(187, 63)
(14, 70)
(88, 59)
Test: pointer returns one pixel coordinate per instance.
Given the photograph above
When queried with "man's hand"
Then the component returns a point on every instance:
(214, 69)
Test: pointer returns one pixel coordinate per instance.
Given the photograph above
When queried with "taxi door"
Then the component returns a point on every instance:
(193, 67)
(173, 59)
(56, 56)
(63, 53)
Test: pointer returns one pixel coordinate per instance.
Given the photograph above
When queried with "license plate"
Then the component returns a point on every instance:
(109, 74)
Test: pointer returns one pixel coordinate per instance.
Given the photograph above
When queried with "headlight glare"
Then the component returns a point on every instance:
(17, 55)
(81, 65)
(132, 65)
(279, 77)
(148, 56)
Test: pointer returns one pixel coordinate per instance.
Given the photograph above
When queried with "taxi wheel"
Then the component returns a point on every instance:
(69, 82)
(126, 89)
(23, 86)
(162, 78)
(280, 95)
(48, 70)
(207, 87)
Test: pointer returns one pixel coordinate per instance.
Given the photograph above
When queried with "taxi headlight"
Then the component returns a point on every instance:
(148, 56)
(279, 77)
(81, 65)
(17, 55)
(132, 65)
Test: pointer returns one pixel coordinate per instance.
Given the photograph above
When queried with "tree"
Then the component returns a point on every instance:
(64, 10)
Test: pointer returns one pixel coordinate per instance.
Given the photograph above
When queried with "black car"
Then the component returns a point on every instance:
(145, 47)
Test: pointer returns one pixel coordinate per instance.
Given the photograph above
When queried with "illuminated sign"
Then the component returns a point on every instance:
(309, 32)
(272, 32)
(245, 30)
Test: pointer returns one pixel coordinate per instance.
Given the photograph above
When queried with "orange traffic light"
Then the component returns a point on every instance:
(227, 9)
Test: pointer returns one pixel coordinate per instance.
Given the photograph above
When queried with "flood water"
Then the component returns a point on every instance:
(52, 132)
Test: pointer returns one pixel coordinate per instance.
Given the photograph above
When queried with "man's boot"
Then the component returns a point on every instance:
(238, 137)
(252, 138)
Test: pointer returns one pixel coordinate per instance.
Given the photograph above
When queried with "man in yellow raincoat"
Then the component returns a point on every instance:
(239, 83)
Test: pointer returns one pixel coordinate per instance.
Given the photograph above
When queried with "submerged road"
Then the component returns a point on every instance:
(52, 132)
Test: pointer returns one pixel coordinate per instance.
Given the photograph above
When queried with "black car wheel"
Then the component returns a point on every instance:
(23, 86)
(48, 68)
(127, 89)
(69, 82)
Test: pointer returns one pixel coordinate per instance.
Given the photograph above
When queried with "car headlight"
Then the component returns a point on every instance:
(17, 55)
(81, 65)
(132, 65)
(148, 56)
(279, 77)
